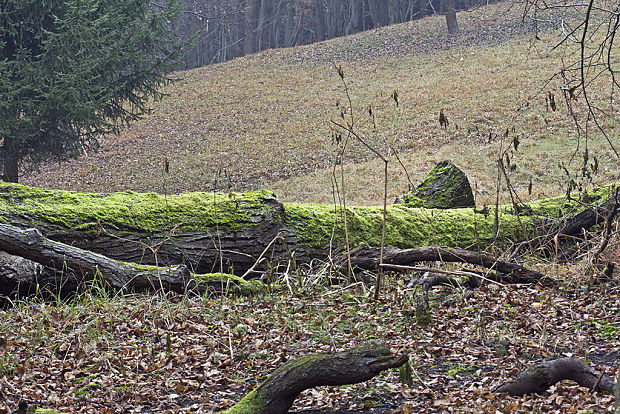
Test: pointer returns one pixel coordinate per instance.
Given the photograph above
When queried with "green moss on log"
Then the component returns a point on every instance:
(144, 212)
(316, 224)
(231, 283)
(311, 225)
(250, 404)
(32, 409)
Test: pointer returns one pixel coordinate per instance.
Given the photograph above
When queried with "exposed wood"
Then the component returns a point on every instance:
(277, 393)
(541, 376)
(367, 258)
(74, 265)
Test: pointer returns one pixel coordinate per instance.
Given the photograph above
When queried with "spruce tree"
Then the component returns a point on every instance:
(72, 71)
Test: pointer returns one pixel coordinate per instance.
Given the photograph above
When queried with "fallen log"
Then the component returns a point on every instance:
(367, 258)
(64, 265)
(213, 232)
(541, 376)
(278, 392)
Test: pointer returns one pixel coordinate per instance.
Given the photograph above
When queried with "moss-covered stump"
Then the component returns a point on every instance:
(445, 186)
(205, 230)
(277, 393)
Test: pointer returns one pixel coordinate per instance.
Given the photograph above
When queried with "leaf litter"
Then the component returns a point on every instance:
(201, 354)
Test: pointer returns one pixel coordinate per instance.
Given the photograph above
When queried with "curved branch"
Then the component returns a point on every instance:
(541, 376)
(367, 259)
(277, 393)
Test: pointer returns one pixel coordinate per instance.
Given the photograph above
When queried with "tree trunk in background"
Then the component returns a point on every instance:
(353, 24)
(318, 18)
(266, 25)
(289, 30)
(251, 11)
(395, 11)
(422, 8)
(379, 12)
(10, 162)
(449, 8)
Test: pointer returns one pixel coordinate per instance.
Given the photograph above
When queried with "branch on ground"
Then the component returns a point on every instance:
(541, 376)
(277, 393)
(66, 265)
(367, 258)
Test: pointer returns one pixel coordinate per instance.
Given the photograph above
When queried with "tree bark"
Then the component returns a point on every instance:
(541, 376)
(277, 393)
(589, 217)
(74, 266)
(368, 259)
(228, 232)
(289, 31)
(318, 18)
(251, 11)
(10, 162)
(450, 11)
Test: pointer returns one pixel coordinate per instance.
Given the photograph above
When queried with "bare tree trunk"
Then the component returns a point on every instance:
(449, 9)
(318, 17)
(251, 10)
(289, 30)
(10, 161)
(422, 8)
(353, 23)
(394, 11)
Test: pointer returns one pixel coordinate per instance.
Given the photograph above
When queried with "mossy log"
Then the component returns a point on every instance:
(69, 266)
(277, 393)
(541, 376)
(367, 258)
(213, 232)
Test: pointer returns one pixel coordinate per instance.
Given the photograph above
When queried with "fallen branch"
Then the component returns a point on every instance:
(368, 259)
(541, 376)
(277, 393)
(574, 226)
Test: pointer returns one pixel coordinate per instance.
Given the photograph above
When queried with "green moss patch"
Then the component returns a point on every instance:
(318, 224)
(143, 212)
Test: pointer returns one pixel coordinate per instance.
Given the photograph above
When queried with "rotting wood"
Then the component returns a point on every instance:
(277, 393)
(212, 232)
(541, 376)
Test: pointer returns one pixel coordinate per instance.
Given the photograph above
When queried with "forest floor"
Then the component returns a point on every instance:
(200, 354)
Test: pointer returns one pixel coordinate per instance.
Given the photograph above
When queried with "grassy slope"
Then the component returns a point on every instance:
(263, 120)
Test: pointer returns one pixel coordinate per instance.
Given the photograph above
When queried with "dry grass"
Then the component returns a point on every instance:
(263, 120)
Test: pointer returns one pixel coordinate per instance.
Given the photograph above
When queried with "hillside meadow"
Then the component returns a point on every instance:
(264, 121)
